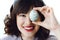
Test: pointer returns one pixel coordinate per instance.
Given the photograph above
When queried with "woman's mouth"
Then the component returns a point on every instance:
(29, 28)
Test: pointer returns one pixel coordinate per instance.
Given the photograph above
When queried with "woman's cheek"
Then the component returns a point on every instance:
(20, 21)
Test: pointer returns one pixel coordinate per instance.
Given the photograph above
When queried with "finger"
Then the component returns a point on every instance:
(44, 8)
(37, 8)
(47, 11)
(51, 10)
(41, 24)
(41, 9)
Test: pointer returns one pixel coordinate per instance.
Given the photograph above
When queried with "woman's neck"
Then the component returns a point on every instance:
(27, 37)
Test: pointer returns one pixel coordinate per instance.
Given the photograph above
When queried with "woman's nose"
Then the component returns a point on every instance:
(28, 21)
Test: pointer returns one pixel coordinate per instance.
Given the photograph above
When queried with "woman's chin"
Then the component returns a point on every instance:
(29, 35)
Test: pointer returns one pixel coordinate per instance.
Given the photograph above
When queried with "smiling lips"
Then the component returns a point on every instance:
(29, 28)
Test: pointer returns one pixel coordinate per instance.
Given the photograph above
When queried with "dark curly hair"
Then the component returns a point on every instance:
(23, 6)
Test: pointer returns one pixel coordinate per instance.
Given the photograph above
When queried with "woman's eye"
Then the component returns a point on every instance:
(22, 15)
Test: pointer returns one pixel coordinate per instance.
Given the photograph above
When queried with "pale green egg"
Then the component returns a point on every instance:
(33, 15)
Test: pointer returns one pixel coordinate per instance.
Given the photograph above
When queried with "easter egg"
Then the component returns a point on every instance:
(33, 15)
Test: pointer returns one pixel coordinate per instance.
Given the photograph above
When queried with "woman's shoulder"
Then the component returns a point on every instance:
(52, 37)
(9, 37)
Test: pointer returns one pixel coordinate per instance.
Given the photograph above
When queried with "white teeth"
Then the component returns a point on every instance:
(28, 28)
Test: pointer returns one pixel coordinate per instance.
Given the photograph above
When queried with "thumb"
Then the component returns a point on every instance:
(38, 23)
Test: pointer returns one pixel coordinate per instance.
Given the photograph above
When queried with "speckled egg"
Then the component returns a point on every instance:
(33, 15)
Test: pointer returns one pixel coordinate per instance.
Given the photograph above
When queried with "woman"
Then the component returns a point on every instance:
(19, 26)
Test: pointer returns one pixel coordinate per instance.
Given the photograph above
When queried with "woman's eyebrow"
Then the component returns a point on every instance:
(21, 14)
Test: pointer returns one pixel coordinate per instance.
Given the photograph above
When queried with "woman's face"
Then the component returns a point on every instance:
(25, 25)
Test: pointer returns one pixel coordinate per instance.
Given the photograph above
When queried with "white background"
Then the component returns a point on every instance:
(5, 8)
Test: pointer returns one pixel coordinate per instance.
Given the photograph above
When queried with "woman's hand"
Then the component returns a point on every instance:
(50, 21)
